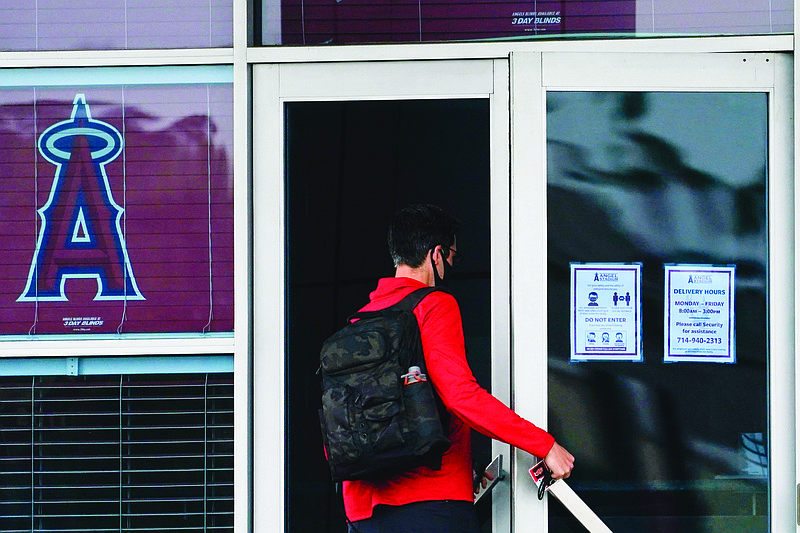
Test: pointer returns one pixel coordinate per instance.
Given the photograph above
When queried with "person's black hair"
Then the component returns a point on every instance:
(417, 229)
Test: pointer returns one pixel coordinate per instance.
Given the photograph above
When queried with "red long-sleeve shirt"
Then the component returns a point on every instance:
(469, 404)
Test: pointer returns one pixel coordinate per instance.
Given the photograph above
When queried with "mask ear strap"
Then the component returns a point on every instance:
(438, 281)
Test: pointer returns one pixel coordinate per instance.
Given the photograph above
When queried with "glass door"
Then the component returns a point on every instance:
(337, 149)
(663, 185)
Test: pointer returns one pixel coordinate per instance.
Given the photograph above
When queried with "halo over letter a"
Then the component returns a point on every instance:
(80, 234)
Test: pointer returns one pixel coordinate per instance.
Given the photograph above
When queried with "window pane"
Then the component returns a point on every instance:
(118, 24)
(380, 21)
(736, 17)
(118, 209)
(661, 178)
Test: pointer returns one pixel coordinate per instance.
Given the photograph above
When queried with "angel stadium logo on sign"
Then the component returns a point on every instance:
(80, 234)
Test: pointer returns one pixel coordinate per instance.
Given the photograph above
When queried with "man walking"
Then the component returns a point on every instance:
(422, 243)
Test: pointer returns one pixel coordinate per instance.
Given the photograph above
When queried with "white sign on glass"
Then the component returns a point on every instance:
(605, 312)
(699, 314)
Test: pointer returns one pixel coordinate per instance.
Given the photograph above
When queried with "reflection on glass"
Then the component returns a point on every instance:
(661, 178)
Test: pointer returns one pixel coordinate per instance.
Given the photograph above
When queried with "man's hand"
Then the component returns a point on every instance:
(559, 461)
(479, 481)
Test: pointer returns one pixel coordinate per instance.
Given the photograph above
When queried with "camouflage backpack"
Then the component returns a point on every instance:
(380, 415)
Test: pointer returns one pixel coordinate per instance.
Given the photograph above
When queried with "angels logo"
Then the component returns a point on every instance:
(80, 234)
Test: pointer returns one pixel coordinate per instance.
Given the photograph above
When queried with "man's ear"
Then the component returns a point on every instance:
(437, 253)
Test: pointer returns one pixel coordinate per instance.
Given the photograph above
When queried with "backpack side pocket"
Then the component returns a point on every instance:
(336, 419)
(382, 404)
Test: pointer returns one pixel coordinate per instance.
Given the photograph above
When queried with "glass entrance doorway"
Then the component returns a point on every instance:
(360, 143)
(663, 385)
(656, 161)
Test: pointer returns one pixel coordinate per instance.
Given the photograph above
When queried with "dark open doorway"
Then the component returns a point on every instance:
(349, 167)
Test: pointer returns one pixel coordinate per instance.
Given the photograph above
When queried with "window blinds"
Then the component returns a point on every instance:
(116, 453)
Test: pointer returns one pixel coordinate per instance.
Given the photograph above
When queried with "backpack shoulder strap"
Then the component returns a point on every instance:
(410, 301)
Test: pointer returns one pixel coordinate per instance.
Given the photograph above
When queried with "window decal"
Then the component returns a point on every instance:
(67, 248)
